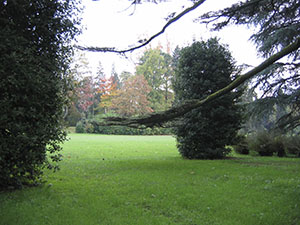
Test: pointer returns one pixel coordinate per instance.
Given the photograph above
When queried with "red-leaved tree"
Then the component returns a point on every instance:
(85, 93)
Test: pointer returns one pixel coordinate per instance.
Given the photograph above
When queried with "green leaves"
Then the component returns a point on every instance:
(203, 133)
(33, 59)
(156, 67)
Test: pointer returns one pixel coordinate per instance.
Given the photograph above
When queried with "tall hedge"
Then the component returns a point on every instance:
(35, 38)
(203, 133)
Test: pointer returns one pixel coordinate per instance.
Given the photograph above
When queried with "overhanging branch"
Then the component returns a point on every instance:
(159, 118)
(171, 21)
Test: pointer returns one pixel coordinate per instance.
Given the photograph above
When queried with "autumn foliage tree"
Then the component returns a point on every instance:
(108, 90)
(132, 99)
(85, 93)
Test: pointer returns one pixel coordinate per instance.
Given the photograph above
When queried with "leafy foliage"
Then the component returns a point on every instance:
(85, 93)
(277, 21)
(132, 99)
(241, 146)
(155, 66)
(292, 145)
(204, 68)
(73, 116)
(266, 143)
(93, 126)
(35, 47)
(108, 90)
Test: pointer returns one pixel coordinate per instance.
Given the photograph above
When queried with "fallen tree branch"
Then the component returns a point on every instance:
(157, 119)
(171, 21)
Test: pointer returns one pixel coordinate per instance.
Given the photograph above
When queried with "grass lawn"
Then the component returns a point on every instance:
(143, 180)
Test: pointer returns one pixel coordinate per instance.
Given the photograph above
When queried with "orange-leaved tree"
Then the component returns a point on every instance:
(132, 99)
(108, 90)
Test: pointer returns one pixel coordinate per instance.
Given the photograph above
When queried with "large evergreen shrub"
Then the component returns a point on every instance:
(267, 143)
(292, 145)
(35, 43)
(202, 69)
(241, 145)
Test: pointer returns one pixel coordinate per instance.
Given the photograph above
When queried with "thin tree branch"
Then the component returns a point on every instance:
(159, 118)
(229, 13)
(171, 21)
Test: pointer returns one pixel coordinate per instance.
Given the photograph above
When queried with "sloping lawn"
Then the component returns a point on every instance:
(143, 180)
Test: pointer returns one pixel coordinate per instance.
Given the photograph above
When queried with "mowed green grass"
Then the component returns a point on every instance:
(143, 180)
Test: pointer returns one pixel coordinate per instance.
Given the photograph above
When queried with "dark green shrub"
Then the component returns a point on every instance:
(84, 126)
(203, 133)
(93, 126)
(266, 143)
(73, 116)
(241, 147)
(292, 145)
(89, 128)
(121, 130)
(80, 127)
(35, 45)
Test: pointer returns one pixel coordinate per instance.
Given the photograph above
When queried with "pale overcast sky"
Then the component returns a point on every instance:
(109, 23)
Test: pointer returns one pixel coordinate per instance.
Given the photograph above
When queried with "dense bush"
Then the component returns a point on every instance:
(266, 143)
(132, 131)
(35, 43)
(292, 145)
(84, 126)
(80, 127)
(241, 146)
(73, 116)
(203, 133)
(92, 126)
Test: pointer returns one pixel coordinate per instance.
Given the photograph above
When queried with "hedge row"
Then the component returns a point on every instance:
(87, 126)
(266, 143)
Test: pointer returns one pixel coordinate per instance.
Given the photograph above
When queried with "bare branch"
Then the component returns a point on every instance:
(159, 118)
(171, 21)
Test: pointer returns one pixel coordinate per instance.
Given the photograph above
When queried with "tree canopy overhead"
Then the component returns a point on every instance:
(277, 22)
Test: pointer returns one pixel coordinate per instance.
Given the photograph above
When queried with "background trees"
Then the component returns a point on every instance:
(156, 67)
(132, 99)
(277, 81)
(108, 90)
(271, 18)
(35, 48)
(85, 95)
(202, 133)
